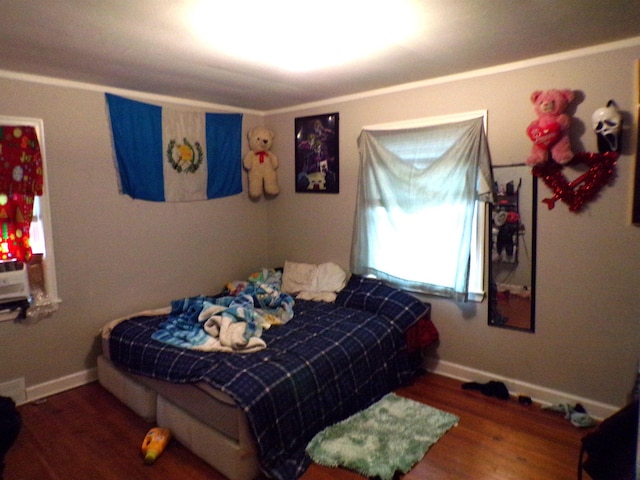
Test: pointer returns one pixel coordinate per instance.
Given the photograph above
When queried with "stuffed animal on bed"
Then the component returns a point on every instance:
(261, 164)
(550, 131)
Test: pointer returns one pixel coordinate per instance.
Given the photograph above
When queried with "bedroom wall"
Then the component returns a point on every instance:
(115, 255)
(587, 339)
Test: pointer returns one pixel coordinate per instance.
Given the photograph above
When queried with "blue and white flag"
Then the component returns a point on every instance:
(172, 155)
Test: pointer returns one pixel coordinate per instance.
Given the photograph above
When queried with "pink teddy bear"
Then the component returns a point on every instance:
(549, 132)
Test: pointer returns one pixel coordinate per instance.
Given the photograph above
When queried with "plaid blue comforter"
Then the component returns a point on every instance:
(328, 362)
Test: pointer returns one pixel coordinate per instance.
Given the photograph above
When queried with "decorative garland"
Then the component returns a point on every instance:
(186, 154)
(578, 192)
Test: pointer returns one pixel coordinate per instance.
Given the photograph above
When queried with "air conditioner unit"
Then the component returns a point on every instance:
(14, 281)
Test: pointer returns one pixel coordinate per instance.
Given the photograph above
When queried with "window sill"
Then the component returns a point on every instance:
(9, 316)
(36, 311)
(477, 297)
(43, 308)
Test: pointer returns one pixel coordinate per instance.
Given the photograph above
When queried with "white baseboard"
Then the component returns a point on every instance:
(46, 389)
(544, 396)
(14, 389)
(539, 394)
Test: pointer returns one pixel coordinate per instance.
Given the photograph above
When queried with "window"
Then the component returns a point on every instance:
(44, 289)
(419, 218)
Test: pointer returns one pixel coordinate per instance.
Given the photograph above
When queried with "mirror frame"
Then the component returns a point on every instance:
(493, 300)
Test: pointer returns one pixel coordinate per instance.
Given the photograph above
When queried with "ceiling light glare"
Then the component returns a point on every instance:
(303, 36)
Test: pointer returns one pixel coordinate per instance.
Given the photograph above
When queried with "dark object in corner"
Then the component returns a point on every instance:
(10, 424)
(491, 389)
(524, 400)
(611, 448)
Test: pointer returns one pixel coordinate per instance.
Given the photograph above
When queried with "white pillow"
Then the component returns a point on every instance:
(298, 276)
(331, 278)
(312, 279)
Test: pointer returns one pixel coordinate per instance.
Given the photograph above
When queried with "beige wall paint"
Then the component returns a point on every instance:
(587, 340)
(115, 255)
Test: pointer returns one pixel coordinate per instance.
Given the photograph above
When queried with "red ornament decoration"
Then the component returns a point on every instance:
(20, 181)
(583, 189)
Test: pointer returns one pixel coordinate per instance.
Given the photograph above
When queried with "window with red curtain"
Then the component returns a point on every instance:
(20, 181)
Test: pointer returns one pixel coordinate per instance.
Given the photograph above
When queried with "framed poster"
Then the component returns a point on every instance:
(317, 158)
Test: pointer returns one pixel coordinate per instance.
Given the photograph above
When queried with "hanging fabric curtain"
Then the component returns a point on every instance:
(20, 181)
(416, 199)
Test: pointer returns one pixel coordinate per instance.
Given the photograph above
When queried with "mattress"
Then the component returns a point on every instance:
(331, 362)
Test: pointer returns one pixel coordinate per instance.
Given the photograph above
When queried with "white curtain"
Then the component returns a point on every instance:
(416, 199)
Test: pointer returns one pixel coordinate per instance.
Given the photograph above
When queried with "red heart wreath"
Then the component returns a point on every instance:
(583, 189)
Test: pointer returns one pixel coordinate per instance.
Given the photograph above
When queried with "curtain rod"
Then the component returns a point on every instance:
(510, 165)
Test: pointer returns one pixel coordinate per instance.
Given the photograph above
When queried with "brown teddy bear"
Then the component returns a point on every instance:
(261, 164)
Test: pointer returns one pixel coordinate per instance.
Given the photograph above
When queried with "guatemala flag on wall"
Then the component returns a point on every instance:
(173, 155)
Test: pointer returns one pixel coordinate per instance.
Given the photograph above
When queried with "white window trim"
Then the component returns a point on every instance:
(45, 210)
(478, 267)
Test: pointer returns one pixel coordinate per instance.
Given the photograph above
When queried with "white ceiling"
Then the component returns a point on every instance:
(153, 45)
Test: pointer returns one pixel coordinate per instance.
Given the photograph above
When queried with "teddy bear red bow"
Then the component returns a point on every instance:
(261, 164)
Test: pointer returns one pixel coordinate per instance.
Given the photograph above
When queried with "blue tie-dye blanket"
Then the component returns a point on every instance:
(230, 323)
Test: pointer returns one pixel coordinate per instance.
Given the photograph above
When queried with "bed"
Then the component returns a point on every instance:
(253, 413)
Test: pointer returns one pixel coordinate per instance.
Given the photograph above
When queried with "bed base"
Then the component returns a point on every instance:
(204, 421)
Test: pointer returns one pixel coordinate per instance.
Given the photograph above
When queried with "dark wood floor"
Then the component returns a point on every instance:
(86, 434)
(516, 310)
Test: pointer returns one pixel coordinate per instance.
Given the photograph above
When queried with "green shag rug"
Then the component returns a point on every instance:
(390, 436)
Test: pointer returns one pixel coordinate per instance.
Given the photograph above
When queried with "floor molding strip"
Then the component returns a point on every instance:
(544, 396)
